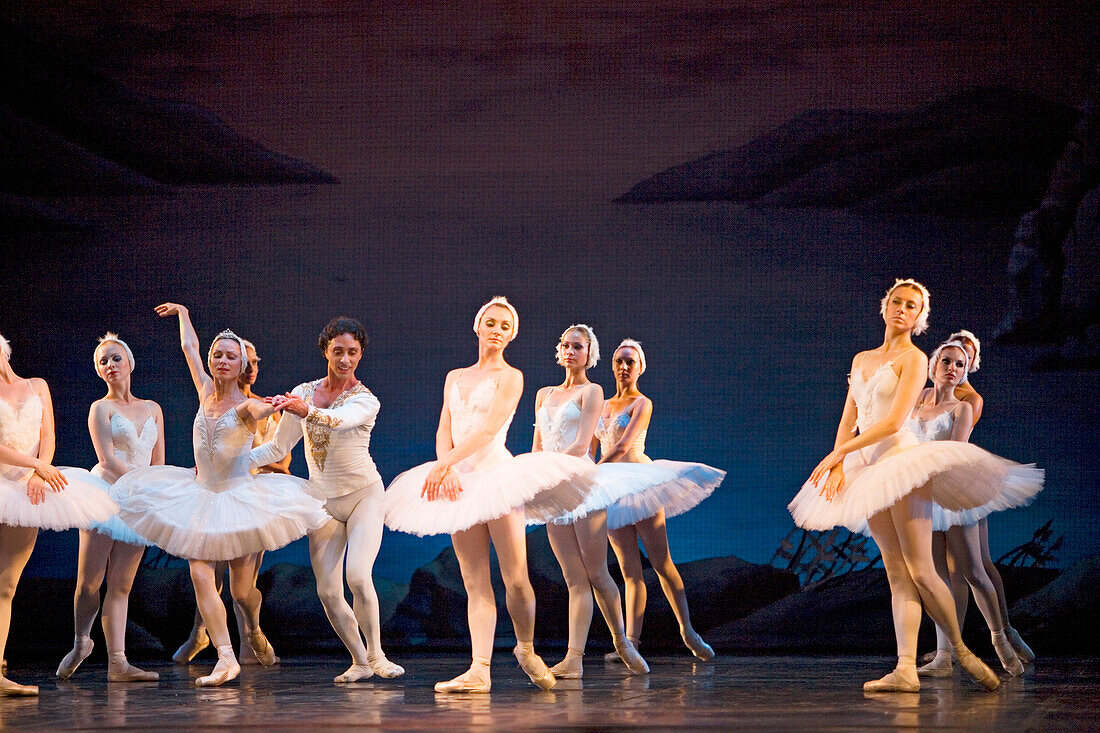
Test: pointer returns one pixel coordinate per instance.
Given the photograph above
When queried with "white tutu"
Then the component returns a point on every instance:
(167, 505)
(80, 505)
(113, 527)
(960, 477)
(1018, 489)
(545, 485)
(675, 487)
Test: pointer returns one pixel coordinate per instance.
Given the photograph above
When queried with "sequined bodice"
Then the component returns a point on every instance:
(558, 426)
(222, 446)
(20, 430)
(610, 431)
(468, 414)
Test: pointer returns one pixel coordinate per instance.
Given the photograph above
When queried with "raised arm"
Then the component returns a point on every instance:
(639, 421)
(189, 342)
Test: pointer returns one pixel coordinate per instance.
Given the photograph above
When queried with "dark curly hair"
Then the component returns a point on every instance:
(341, 325)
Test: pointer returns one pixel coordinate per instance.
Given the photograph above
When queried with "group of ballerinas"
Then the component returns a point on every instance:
(903, 471)
(240, 501)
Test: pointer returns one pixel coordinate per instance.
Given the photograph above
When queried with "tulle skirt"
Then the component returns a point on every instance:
(960, 477)
(1020, 487)
(168, 506)
(113, 527)
(647, 488)
(80, 505)
(545, 485)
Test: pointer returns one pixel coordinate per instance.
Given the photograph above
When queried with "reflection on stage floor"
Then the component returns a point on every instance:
(763, 693)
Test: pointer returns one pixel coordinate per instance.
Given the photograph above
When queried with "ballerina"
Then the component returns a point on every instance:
(335, 415)
(199, 639)
(222, 512)
(879, 478)
(641, 516)
(480, 494)
(565, 422)
(961, 551)
(33, 493)
(127, 432)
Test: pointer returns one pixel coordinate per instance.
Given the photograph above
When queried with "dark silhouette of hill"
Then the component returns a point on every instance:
(982, 153)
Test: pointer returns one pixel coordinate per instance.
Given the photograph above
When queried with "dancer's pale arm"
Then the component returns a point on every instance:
(536, 439)
(99, 428)
(964, 423)
(591, 407)
(287, 434)
(500, 411)
(189, 342)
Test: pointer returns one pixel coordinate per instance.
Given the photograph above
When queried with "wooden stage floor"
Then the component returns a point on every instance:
(745, 693)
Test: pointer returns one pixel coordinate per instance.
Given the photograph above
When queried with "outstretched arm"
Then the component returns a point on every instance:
(189, 342)
(287, 434)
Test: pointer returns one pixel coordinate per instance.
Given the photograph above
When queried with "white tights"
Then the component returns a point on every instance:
(355, 530)
(581, 550)
(242, 586)
(16, 544)
(508, 535)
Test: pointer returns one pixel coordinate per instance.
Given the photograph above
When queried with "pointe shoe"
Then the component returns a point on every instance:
(261, 647)
(120, 670)
(189, 649)
(14, 689)
(82, 647)
(897, 681)
(354, 673)
(533, 665)
(939, 666)
(976, 668)
(630, 656)
(1009, 660)
(473, 681)
(384, 668)
(570, 668)
(698, 647)
(1023, 651)
(615, 656)
(225, 670)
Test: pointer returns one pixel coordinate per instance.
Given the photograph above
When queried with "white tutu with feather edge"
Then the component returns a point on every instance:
(169, 507)
(113, 527)
(545, 485)
(673, 486)
(80, 505)
(961, 477)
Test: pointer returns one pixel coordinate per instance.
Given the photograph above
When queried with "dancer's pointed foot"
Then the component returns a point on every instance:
(120, 670)
(615, 656)
(939, 666)
(698, 647)
(195, 643)
(82, 647)
(570, 668)
(1009, 659)
(976, 668)
(354, 673)
(225, 670)
(533, 665)
(628, 653)
(14, 689)
(902, 679)
(384, 668)
(473, 681)
(1023, 651)
(261, 647)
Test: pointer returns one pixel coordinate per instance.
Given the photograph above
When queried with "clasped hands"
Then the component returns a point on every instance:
(288, 402)
(44, 476)
(441, 481)
(833, 465)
